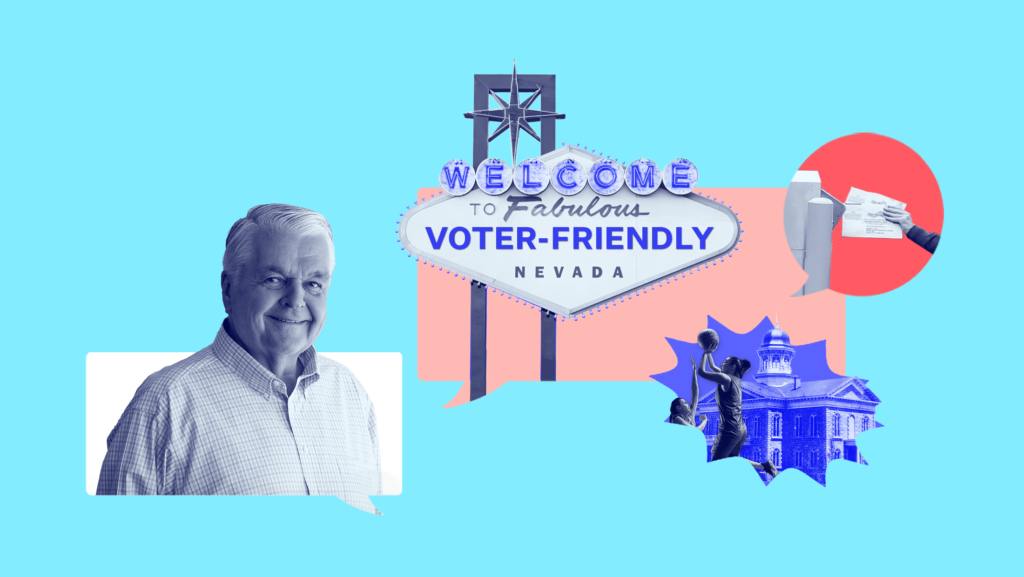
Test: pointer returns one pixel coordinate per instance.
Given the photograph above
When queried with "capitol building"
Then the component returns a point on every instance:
(796, 424)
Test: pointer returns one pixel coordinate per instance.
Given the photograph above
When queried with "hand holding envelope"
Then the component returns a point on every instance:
(865, 216)
(900, 217)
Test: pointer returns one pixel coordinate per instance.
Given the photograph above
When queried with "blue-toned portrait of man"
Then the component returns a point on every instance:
(258, 412)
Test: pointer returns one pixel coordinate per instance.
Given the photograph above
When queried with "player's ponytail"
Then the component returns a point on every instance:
(744, 366)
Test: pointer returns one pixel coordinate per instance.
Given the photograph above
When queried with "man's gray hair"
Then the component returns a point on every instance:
(271, 218)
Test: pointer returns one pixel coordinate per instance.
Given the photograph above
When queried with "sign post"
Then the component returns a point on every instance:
(484, 85)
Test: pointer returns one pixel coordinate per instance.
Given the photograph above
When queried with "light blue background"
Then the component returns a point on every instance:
(132, 136)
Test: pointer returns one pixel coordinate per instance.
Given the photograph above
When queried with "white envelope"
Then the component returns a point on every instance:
(864, 218)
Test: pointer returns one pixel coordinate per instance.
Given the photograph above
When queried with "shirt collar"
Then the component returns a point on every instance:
(254, 374)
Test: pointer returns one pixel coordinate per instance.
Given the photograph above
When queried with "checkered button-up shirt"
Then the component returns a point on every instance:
(219, 423)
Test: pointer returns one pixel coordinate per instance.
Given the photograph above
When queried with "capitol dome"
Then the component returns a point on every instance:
(776, 356)
(775, 336)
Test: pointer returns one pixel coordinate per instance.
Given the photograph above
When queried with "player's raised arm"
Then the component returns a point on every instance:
(716, 375)
(711, 362)
(694, 389)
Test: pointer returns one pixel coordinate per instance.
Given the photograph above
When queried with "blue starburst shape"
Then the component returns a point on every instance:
(798, 413)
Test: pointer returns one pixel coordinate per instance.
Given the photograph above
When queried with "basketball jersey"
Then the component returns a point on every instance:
(681, 420)
(730, 405)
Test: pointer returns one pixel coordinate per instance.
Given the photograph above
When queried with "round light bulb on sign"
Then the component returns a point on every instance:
(493, 176)
(643, 176)
(457, 178)
(606, 177)
(568, 177)
(531, 176)
(680, 176)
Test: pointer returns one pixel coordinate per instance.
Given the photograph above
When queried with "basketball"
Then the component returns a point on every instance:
(707, 339)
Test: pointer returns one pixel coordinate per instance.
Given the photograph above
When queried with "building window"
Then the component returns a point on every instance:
(814, 425)
(836, 454)
(776, 426)
(851, 425)
(799, 458)
(757, 426)
(796, 426)
(835, 425)
(777, 457)
(865, 424)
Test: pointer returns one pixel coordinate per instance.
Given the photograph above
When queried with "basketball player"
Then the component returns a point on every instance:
(729, 396)
(682, 413)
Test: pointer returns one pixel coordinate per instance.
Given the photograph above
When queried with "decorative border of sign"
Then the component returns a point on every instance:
(553, 307)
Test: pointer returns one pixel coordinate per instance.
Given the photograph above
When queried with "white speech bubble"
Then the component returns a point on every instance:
(111, 380)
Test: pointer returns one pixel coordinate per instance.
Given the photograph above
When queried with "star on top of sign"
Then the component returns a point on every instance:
(514, 115)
